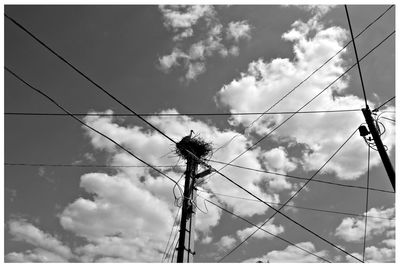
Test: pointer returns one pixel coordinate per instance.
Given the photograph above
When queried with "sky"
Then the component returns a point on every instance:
(196, 59)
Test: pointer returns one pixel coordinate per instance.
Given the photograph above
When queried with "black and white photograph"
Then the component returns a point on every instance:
(199, 133)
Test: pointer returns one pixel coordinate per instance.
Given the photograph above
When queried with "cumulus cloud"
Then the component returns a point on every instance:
(292, 254)
(375, 254)
(37, 255)
(47, 247)
(238, 30)
(226, 242)
(352, 229)
(207, 38)
(265, 82)
(270, 227)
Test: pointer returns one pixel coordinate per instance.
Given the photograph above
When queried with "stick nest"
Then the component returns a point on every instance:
(196, 145)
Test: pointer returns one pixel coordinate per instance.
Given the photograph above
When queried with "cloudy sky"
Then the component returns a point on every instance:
(196, 59)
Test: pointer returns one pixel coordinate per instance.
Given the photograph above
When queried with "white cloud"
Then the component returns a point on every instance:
(37, 255)
(48, 248)
(238, 30)
(178, 17)
(375, 254)
(352, 229)
(292, 254)
(208, 40)
(168, 61)
(270, 227)
(265, 83)
(226, 242)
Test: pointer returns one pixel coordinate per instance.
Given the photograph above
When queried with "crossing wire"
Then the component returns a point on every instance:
(300, 178)
(87, 78)
(151, 125)
(177, 114)
(312, 99)
(316, 70)
(182, 165)
(286, 216)
(299, 207)
(90, 127)
(129, 152)
(255, 225)
(274, 129)
(366, 204)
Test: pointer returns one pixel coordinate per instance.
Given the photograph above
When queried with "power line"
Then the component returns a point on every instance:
(300, 178)
(88, 165)
(286, 216)
(388, 119)
(176, 114)
(316, 70)
(87, 78)
(291, 116)
(355, 52)
(170, 234)
(88, 126)
(300, 207)
(376, 109)
(182, 165)
(253, 224)
(366, 205)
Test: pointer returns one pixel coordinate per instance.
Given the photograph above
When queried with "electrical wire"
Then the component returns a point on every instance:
(258, 227)
(87, 165)
(300, 207)
(87, 77)
(388, 119)
(366, 205)
(355, 52)
(176, 247)
(316, 70)
(90, 127)
(170, 234)
(181, 165)
(377, 109)
(291, 116)
(172, 247)
(300, 178)
(177, 114)
(286, 216)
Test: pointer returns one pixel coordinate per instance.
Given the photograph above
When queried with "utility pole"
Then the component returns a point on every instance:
(380, 147)
(186, 242)
(193, 150)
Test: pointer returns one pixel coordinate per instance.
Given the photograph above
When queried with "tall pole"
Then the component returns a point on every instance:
(187, 211)
(380, 147)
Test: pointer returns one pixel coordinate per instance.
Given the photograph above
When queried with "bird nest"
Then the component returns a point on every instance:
(193, 145)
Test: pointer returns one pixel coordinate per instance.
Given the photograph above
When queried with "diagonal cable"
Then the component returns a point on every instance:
(87, 78)
(90, 127)
(300, 178)
(286, 216)
(299, 207)
(255, 225)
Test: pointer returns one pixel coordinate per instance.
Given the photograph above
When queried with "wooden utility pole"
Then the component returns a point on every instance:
(380, 147)
(186, 242)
